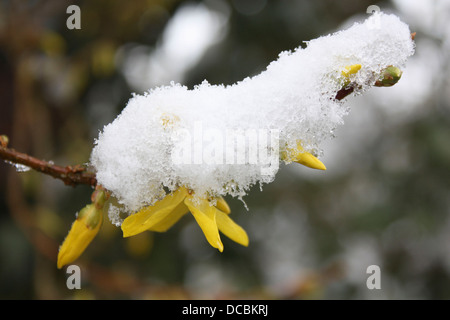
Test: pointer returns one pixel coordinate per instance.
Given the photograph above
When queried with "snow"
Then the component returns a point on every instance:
(222, 140)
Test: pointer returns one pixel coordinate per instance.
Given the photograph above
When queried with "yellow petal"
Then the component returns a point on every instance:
(82, 232)
(148, 217)
(349, 70)
(167, 222)
(299, 155)
(231, 229)
(205, 215)
(310, 161)
(222, 205)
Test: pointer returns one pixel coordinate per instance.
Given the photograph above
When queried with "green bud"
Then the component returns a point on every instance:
(390, 76)
(99, 197)
(90, 216)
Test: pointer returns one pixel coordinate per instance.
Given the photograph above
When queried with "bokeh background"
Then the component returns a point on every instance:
(384, 200)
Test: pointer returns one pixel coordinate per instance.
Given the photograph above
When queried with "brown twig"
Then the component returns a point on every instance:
(70, 175)
(341, 94)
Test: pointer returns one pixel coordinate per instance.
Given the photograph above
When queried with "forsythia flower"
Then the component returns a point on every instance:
(166, 212)
(83, 230)
(299, 155)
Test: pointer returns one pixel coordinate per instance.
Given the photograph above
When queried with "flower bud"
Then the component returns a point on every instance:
(390, 76)
(82, 232)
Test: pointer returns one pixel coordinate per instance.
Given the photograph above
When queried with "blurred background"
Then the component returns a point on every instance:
(384, 200)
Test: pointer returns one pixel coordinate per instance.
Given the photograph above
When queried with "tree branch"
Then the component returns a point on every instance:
(70, 175)
(78, 174)
(341, 94)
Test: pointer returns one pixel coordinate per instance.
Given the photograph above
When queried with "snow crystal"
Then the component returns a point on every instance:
(219, 140)
(19, 167)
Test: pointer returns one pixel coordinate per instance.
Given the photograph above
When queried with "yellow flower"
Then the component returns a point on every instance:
(84, 229)
(303, 157)
(349, 70)
(166, 212)
(82, 232)
(347, 73)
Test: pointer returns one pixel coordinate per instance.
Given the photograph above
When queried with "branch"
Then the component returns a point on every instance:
(70, 175)
(74, 175)
(341, 94)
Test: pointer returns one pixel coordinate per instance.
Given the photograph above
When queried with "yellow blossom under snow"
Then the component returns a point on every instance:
(166, 212)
